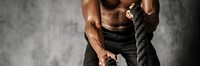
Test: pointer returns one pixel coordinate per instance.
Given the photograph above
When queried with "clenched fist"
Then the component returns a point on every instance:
(134, 11)
(104, 55)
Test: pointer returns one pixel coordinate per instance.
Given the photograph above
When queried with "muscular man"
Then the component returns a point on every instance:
(110, 31)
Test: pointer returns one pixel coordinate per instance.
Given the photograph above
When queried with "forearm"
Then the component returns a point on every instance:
(151, 21)
(151, 8)
(95, 37)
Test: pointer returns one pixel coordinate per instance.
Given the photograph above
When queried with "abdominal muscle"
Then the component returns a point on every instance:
(115, 19)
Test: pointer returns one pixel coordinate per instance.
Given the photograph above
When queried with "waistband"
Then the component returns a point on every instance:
(126, 32)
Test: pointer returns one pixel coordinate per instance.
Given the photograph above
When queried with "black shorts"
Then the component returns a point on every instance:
(118, 43)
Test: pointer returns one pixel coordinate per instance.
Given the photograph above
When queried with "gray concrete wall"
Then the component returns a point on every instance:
(50, 33)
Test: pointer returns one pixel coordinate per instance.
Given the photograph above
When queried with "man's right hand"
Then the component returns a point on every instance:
(104, 55)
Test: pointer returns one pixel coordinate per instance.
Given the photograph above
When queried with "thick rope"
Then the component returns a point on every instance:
(141, 37)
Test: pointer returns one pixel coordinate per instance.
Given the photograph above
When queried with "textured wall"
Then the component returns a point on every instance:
(50, 33)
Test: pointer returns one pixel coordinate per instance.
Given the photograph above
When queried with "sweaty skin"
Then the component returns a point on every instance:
(114, 15)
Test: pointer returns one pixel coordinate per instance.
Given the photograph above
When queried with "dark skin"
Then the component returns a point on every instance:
(114, 15)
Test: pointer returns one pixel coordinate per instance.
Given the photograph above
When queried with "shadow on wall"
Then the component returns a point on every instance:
(176, 36)
(50, 33)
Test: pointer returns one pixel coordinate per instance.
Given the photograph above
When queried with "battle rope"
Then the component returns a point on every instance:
(140, 36)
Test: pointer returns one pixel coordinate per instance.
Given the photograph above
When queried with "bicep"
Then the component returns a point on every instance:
(151, 6)
(91, 10)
